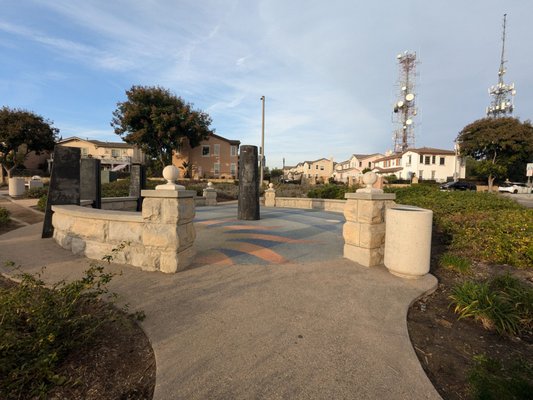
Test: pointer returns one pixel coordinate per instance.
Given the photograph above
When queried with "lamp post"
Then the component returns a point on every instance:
(262, 160)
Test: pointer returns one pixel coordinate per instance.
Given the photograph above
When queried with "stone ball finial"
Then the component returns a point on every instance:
(210, 185)
(369, 178)
(271, 185)
(170, 173)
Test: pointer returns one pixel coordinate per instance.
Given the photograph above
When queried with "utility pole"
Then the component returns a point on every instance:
(262, 159)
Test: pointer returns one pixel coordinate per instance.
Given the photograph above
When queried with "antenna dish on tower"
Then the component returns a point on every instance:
(410, 97)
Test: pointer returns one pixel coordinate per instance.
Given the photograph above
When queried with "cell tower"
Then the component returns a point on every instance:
(502, 94)
(405, 108)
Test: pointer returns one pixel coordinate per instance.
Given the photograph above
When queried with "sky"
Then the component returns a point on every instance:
(327, 69)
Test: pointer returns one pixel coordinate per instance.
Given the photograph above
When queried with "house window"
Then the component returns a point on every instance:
(115, 152)
(408, 160)
(233, 151)
(309, 167)
(420, 174)
(433, 159)
(433, 175)
(421, 159)
(321, 168)
(216, 150)
(360, 163)
(316, 166)
(216, 167)
(427, 160)
(205, 150)
(442, 161)
(233, 169)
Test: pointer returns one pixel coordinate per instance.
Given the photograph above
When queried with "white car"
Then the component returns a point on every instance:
(514, 187)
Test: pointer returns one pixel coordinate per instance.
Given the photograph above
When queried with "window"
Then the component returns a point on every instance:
(433, 159)
(427, 160)
(233, 169)
(216, 150)
(316, 166)
(421, 159)
(369, 164)
(360, 163)
(433, 175)
(233, 151)
(205, 150)
(115, 152)
(321, 168)
(216, 167)
(442, 161)
(408, 160)
(420, 174)
(309, 167)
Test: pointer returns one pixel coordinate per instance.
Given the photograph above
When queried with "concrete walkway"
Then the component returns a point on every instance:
(270, 310)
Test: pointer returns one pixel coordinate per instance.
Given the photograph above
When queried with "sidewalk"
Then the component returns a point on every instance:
(263, 327)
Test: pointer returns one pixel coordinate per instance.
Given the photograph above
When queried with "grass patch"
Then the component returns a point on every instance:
(503, 304)
(490, 380)
(4, 216)
(455, 263)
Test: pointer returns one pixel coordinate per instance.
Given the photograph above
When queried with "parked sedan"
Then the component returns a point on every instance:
(514, 187)
(458, 186)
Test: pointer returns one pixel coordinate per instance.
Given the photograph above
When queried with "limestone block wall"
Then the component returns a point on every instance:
(159, 239)
(306, 203)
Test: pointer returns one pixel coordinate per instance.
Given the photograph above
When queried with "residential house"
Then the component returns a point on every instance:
(317, 171)
(425, 163)
(214, 157)
(351, 170)
(116, 156)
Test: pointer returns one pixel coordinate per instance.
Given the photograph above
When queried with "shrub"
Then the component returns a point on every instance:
(36, 193)
(41, 204)
(331, 191)
(503, 304)
(4, 216)
(490, 380)
(40, 326)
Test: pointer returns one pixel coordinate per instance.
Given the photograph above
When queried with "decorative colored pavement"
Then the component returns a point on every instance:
(280, 236)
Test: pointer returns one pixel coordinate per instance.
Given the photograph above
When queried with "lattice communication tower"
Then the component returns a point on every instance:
(502, 103)
(405, 105)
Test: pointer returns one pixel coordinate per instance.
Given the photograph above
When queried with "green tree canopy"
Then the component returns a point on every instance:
(158, 122)
(22, 132)
(503, 145)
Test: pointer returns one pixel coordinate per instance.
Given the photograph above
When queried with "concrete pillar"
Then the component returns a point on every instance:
(248, 206)
(168, 213)
(210, 195)
(364, 229)
(270, 196)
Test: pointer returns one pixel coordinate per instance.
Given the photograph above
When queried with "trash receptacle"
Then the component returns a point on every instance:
(408, 241)
(16, 187)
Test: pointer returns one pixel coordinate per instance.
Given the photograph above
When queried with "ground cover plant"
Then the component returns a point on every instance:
(472, 332)
(4, 216)
(42, 327)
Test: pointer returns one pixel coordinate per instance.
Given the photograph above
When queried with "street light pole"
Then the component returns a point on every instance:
(262, 143)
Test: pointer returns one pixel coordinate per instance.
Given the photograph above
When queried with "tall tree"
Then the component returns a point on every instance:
(502, 145)
(22, 132)
(158, 122)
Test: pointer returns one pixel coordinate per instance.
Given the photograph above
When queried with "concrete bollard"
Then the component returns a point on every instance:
(408, 241)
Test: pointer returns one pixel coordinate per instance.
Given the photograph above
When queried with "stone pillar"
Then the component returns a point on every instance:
(168, 213)
(270, 196)
(210, 195)
(137, 183)
(364, 230)
(248, 206)
(90, 186)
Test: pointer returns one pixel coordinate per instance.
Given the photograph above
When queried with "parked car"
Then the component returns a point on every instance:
(514, 187)
(448, 186)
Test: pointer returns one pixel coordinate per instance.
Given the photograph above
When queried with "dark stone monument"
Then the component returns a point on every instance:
(90, 186)
(64, 183)
(248, 208)
(137, 183)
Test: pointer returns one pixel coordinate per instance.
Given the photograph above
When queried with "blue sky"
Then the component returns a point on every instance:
(328, 69)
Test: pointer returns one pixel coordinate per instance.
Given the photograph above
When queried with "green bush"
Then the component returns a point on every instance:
(503, 304)
(36, 193)
(41, 326)
(41, 204)
(331, 191)
(119, 188)
(490, 380)
(4, 216)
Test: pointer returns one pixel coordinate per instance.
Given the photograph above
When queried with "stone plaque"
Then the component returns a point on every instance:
(90, 186)
(64, 183)
(137, 183)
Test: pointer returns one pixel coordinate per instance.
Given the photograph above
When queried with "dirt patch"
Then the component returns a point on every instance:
(446, 345)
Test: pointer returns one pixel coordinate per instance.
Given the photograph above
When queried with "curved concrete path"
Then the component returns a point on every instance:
(256, 317)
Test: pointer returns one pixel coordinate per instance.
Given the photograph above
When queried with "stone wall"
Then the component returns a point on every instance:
(311, 204)
(158, 239)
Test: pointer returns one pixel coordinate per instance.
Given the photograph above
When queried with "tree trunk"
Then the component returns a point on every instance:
(491, 182)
